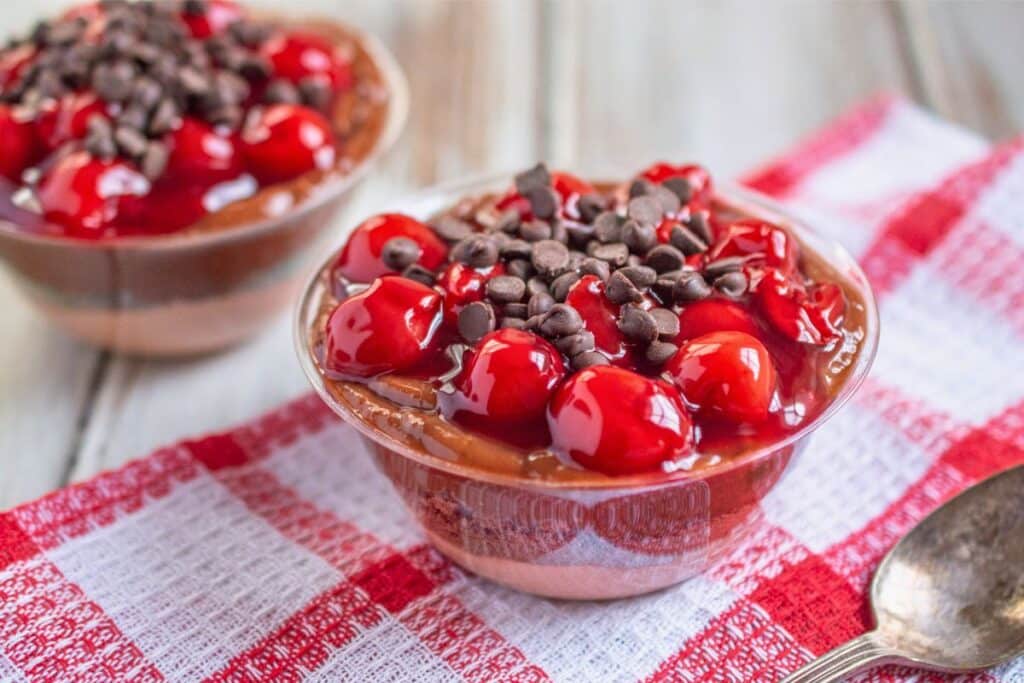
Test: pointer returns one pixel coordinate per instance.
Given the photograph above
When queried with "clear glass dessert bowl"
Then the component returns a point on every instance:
(595, 538)
(209, 287)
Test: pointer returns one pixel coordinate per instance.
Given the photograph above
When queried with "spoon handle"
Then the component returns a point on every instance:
(858, 654)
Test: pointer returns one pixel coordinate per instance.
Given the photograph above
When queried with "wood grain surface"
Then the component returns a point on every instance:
(593, 85)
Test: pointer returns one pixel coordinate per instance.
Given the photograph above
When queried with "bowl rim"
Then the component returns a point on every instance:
(335, 184)
(425, 202)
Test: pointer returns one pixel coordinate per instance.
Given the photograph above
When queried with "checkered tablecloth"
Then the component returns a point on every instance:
(259, 554)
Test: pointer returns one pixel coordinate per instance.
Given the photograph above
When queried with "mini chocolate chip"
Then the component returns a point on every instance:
(722, 266)
(690, 287)
(516, 249)
(229, 115)
(576, 259)
(505, 289)
(536, 285)
(641, 276)
(532, 179)
(146, 93)
(589, 206)
(575, 344)
(315, 92)
(659, 352)
(194, 81)
(165, 117)
(667, 199)
(550, 258)
(508, 222)
(540, 303)
(477, 251)
(516, 310)
(644, 210)
(638, 324)
(634, 260)
(534, 321)
(562, 284)
(665, 257)
(639, 237)
(608, 227)
(667, 322)
(680, 187)
(256, 67)
(101, 145)
(733, 284)
(514, 323)
(662, 289)
(133, 116)
(561, 320)
(589, 359)
(698, 224)
(686, 241)
(543, 202)
(451, 229)
(281, 91)
(154, 160)
(398, 253)
(615, 254)
(535, 231)
(559, 232)
(476, 320)
(640, 187)
(419, 274)
(113, 81)
(596, 267)
(621, 289)
(130, 142)
(579, 234)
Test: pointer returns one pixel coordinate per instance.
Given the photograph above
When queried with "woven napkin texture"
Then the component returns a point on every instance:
(277, 552)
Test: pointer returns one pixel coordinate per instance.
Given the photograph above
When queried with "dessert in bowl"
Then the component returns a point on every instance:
(583, 390)
(167, 169)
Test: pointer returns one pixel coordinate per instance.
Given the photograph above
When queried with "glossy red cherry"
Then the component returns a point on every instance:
(508, 378)
(201, 155)
(387, 328)
(84, 194)
(765, 242)
(600, 317)
(811, 315)
(728, 373)
(698, 177)
(295, 56)
(618, 422)
(360, 258)
(462, 285)
(284, 141)
(167, 207)
(714, 315)
(19, 146)
(68, 118)
(218, 16)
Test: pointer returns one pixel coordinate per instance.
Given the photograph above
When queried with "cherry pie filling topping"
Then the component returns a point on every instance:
(133, 118)
(609, 329)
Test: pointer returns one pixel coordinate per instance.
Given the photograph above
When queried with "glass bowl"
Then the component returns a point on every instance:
(609, 538)
(187, 293)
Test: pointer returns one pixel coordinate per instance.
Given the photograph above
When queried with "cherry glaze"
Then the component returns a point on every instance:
(286, 140)
(360, 258)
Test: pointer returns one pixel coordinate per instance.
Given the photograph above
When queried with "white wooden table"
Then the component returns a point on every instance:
(598, 85)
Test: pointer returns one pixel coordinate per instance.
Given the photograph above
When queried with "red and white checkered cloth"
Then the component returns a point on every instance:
(255, 555)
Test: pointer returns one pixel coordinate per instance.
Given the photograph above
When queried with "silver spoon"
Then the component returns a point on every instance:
(950, 596)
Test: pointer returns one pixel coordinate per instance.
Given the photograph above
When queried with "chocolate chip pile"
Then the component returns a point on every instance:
(545, 256)
(145, 63)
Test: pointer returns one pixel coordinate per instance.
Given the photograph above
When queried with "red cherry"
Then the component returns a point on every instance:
(697, 176)
(666, 225)
(19, 146)
(760, 239)
(166, 208)
(509, 378)
(287, 140)
(295, 56)
(568, 186)
(618, 422)
(714, 315)
(360, 258)
(462, 285)
(200, 155)
(386, 328)
(218, 16)
(729, 373)
(68, 118)
(811, 316)
(13, 61)
(84, 194)
(600, 316)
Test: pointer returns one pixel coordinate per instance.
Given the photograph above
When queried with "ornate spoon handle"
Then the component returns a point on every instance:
(860, 653)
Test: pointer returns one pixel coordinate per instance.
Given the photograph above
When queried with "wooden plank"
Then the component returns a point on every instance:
(727, 83)
(471, 67)
(969, 57)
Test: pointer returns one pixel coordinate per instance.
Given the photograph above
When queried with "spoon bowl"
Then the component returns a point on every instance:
(950, 596)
